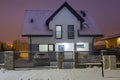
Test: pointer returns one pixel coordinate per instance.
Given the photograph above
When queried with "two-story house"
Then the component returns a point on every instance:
(64, 29)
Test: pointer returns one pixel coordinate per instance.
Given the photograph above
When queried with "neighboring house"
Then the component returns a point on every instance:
(100, 45)
(0, 46)
(65, 29)
(112, 41)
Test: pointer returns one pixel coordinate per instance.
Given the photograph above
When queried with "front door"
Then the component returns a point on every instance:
(67, 49)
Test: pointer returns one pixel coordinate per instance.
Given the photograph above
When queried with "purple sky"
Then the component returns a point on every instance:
(106, 13)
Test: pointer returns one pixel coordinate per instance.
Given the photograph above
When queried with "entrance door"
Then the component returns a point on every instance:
(67, 49)
(61, 48)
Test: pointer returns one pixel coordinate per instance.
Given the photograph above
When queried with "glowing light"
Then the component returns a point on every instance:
(119, 39)
(11, 45)
(66, 45)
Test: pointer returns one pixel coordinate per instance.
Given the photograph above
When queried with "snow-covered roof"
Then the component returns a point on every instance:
(112, 36)
(35, 22)
(89, 26)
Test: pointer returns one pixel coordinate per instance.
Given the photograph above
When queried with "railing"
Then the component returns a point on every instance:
(1, 57)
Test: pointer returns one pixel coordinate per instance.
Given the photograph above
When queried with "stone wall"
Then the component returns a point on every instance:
(109, 62)
(60, 60)
(9, 60)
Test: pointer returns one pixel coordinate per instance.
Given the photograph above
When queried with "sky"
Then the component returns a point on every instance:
(106, 14)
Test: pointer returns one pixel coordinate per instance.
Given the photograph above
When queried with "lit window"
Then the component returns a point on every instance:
(51, 47)
(43, 47)
(46, 47)
(83, 46)
(58, 29)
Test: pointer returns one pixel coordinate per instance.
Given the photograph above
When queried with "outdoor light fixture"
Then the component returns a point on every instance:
(118, 41)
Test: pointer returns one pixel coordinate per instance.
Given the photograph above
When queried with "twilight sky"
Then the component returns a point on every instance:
(106, 14)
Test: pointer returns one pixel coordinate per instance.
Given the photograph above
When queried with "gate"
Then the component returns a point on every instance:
(68, 59)
(21, 60)
(37, 59)
(84, 59)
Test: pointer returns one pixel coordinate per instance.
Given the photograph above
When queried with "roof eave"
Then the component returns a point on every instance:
(90, 35)
(36, 35)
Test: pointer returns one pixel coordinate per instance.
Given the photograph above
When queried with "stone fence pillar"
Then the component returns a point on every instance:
(9, 60)
(109, 62)
(60, 60)
(76, 60)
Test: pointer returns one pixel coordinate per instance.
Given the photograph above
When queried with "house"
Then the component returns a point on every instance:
(112, 41)
(100, 44)
(64, 29)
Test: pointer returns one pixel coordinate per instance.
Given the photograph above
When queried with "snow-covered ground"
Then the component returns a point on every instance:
(59, 74)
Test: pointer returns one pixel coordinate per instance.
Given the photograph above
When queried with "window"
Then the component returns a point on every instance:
(58, 30)
(82, 46)
(43, 47)
(46, 47)
(70, 31)
(51, 47)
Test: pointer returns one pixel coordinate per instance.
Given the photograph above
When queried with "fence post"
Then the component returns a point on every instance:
(60, 60)
(9, 60)
(102, 62)
(76, 59)
(112, 62)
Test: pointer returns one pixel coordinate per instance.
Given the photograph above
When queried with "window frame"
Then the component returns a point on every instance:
(71, 32)
(48, 50)
(56, 32)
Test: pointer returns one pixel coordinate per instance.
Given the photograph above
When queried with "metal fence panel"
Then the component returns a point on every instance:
(1, 57)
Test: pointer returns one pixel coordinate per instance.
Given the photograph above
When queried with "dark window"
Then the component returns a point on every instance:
(70, 31)
(58, 31)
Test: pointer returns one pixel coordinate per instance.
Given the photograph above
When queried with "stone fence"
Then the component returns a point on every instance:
(8, 60)
(109, 61)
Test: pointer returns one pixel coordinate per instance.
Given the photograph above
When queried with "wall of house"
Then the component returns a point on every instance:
(51, 40)
(64, 18)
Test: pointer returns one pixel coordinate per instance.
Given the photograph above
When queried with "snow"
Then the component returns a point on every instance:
(38, 27)
(90, 26)
(115, 35)
(59, 74)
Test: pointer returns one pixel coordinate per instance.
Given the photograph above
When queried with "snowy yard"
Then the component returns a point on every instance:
(59, 74)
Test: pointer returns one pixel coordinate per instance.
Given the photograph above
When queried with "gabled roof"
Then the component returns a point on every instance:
(35, 22)
(69, 8)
